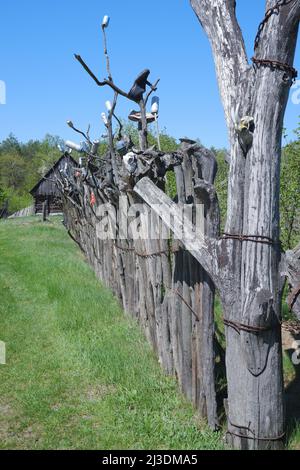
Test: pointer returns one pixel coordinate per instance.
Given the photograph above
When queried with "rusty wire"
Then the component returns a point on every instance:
(257, 438)
(271, 11)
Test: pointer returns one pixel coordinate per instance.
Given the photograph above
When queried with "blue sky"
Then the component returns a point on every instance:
(46, 86)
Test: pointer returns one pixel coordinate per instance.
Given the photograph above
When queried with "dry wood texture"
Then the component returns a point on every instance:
(156, 279)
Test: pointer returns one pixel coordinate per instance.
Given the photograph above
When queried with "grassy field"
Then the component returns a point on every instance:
(79, 374)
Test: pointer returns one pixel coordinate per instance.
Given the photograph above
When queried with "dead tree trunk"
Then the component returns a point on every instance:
(245, 262)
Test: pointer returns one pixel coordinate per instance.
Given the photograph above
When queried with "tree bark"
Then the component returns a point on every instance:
(251, 291)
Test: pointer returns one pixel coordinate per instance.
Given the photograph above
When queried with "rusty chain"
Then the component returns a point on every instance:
(271, 11)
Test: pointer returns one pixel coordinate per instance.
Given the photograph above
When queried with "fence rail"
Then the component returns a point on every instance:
(157, 281)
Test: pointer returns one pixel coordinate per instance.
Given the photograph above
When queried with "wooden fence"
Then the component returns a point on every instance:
(157, 281)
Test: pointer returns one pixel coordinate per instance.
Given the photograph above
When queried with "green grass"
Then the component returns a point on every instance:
(79, 374)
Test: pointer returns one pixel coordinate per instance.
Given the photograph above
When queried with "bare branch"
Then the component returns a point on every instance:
(292, 8)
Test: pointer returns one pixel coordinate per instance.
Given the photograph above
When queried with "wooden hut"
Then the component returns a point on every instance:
(46, 189)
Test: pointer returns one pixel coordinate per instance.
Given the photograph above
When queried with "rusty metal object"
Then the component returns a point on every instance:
(187, 304)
